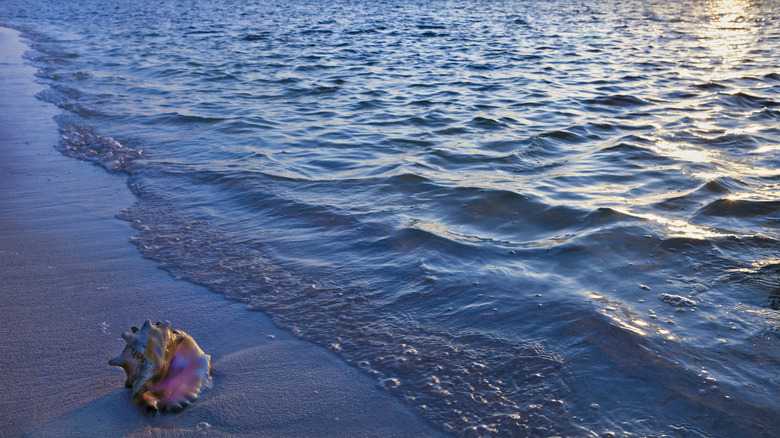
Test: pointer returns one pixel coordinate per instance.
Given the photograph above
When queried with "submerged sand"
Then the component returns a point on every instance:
(70, 284)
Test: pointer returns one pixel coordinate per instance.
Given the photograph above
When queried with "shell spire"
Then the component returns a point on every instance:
(165, 368)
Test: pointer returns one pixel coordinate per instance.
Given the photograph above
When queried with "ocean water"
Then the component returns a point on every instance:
(522, 218)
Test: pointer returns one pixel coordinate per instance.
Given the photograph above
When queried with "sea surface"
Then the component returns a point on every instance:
(522, 218)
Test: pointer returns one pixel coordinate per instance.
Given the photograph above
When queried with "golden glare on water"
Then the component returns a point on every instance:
(681, 228)
(682, 152)
(728, 35)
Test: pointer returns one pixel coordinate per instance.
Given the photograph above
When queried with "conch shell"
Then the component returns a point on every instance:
(165, 368)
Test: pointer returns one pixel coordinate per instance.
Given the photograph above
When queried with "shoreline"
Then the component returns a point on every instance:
(71, 283)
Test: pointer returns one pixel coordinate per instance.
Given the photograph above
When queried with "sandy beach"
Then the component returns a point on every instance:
(71, 283)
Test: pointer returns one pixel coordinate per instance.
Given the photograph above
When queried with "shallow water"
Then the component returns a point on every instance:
(522, 218)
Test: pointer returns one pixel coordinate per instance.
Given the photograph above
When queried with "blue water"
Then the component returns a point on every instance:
(522, 218)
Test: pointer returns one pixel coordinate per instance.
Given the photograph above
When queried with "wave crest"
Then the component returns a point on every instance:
(83, 143)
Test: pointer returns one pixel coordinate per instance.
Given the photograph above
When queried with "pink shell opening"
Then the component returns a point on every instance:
(183, 382)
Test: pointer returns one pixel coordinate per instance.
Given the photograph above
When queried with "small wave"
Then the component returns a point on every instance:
(719, 185)
(631, 150)
(746, 101)
(486, 123)
(633, 78)
(61, 75)
(740, 208)
(569, 137)
(602, 216)
(317, 90)
(195, 31)
(524, 58)
(75, 108)
(711, 86)
(619, 100)
(765, 115)
(765, 277)
(365, 31)
(736, 141)
(49, 95)
(177, 119)
(405, 142)
(521, 20)
(431, 26)
(430, 237)
(453, 160)
(246, 125)
(772, 77)
(492, 208)
(256, 37)
(431, 120)
(454, 130)
(431, 34)
(317, 31)
(80, 142)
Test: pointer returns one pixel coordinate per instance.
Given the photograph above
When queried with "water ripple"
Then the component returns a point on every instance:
(521, 218)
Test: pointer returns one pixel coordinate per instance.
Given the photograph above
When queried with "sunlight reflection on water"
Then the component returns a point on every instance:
(729, 35)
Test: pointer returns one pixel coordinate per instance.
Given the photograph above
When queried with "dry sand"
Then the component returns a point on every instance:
(71, 284)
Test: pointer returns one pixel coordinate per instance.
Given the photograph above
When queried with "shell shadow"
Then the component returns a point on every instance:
(112, 414)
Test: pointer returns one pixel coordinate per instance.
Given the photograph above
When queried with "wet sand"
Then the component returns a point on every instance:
(71, 283)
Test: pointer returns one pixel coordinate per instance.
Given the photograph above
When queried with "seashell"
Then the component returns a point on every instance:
(165, 368)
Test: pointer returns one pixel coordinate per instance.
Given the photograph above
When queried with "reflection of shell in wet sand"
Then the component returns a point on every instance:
(165, 368)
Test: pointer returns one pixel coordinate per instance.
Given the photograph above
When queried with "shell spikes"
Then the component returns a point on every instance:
(165, 368)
